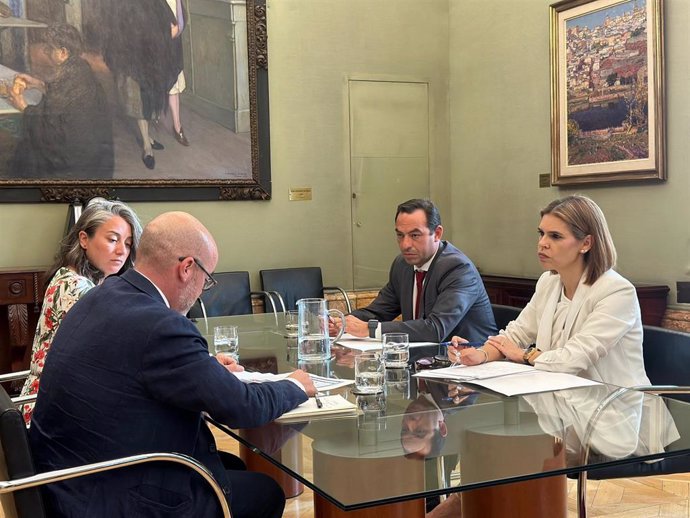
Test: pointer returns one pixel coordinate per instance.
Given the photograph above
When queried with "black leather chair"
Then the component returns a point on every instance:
(231, 296)
(288, 285)
(666, 359)
(504, 314)
(19, 477)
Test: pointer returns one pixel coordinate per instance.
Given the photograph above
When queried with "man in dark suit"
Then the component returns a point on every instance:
(127, 373)
(432, 284)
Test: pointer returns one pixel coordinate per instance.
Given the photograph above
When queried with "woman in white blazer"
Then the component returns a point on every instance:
(583, 318)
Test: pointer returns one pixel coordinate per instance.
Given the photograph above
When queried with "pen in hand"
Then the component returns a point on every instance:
(461, 344)
(319, 403)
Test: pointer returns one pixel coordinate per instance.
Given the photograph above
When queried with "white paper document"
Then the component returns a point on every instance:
(508, 378)
(331, 405)
(321, 383)
(532, 382)
(369, 344)
(474, 372)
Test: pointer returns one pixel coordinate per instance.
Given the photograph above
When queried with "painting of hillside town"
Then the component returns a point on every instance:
(608, 104)
(607, 87)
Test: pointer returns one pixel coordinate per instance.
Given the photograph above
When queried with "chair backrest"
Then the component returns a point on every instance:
(504, 314)
(293, 283)
(17, 459)
(231, 296)
(667, 357)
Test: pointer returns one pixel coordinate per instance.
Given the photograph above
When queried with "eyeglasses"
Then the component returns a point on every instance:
(209, 282)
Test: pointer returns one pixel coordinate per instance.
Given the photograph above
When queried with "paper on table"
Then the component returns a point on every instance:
(322, 384)
(369, 344)
(474, 372)
(531, 382)
(332, 405)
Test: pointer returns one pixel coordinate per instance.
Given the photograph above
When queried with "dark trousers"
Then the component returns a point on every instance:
(252, 495)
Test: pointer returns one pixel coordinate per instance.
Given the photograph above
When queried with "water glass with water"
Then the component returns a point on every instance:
(396, 350)
(291, 321)
(370, 371)
(226, 340)
(314, 342)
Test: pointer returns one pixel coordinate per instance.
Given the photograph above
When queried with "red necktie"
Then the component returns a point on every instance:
(419, 280)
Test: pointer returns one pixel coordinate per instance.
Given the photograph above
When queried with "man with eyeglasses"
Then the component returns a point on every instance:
(129, 373)
(432, 284)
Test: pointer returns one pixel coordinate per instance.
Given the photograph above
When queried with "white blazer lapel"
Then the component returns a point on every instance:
(546, 322)
(576, 304)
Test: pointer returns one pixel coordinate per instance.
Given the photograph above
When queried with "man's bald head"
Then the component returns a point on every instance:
(166, 239)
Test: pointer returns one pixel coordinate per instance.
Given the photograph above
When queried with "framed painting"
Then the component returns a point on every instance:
(607, 91)
(142, 100)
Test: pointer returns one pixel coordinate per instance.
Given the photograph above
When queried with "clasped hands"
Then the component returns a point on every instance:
(495, 347)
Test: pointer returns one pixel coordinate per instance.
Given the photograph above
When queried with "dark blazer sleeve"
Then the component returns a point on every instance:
(177, 369)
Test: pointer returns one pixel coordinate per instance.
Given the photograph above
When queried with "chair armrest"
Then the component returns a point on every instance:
(267, 296)
(270, 294)
(12, 376)
(9, 486)
(342, 291)
(663, 389)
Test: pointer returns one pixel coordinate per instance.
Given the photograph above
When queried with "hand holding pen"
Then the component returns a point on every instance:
(455, 346)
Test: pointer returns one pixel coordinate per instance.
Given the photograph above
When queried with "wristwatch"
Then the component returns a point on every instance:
(373, 325)
(529, 352)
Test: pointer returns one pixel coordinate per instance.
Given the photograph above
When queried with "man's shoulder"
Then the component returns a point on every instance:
(450, 255)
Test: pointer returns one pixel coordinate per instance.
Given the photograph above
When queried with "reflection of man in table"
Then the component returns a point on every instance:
(69, 133)
(432, 284)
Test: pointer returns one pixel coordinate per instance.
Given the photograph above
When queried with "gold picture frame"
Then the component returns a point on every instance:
(607, 91)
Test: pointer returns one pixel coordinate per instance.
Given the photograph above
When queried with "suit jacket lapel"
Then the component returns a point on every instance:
(406, 292)
(546, 323)
(576, 304)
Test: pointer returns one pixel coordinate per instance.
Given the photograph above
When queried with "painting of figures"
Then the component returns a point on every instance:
(98, 96)
(607, 91)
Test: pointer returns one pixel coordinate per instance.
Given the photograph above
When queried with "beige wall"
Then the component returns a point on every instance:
(500, 134)
(494, 54)
(314, 46)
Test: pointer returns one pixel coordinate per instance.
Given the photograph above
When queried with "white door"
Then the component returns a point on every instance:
(389, 164)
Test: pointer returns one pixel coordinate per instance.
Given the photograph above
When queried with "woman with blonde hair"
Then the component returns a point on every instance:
(584, 318)
(102, 242)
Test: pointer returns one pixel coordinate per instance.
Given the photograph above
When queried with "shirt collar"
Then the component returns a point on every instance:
(165, 299)
(426, 265)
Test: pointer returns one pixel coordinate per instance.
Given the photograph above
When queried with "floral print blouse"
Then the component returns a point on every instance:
(65, 288)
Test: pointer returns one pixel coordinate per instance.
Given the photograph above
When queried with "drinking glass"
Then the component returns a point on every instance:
(226, 340)
(291, 321)
(396, 350)
(369, 373)
(397, 384)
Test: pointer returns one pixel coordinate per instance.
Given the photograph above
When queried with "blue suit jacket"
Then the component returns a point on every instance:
(454, 300)
(126, 375)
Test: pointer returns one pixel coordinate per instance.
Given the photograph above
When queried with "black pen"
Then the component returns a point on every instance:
(461, 344)
(319, 403)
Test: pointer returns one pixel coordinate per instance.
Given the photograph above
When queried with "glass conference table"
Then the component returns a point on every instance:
(422, 438)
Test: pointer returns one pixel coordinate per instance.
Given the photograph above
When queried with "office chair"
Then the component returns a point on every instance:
(666, 359)
(231, 296)
(16, 464)
(504, 314)
(288, 285)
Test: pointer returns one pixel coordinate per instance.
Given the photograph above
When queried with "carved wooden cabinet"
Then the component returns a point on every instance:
(21, 295)
(517, 291)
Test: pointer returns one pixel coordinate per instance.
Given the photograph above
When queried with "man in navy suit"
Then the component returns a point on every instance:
(127, 373)
(432, 284)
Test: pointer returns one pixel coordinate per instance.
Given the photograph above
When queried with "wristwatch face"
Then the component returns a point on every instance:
(373, 324)
(528, 353)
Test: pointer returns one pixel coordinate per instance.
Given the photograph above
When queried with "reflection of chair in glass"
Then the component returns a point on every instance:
(666, 360)
(504, 314)
(18, 473)
(231, 296)
(289, 285)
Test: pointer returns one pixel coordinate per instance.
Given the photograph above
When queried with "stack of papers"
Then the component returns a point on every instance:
(508, 378)
(322, 384)
(369, 344)
(332, 405)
